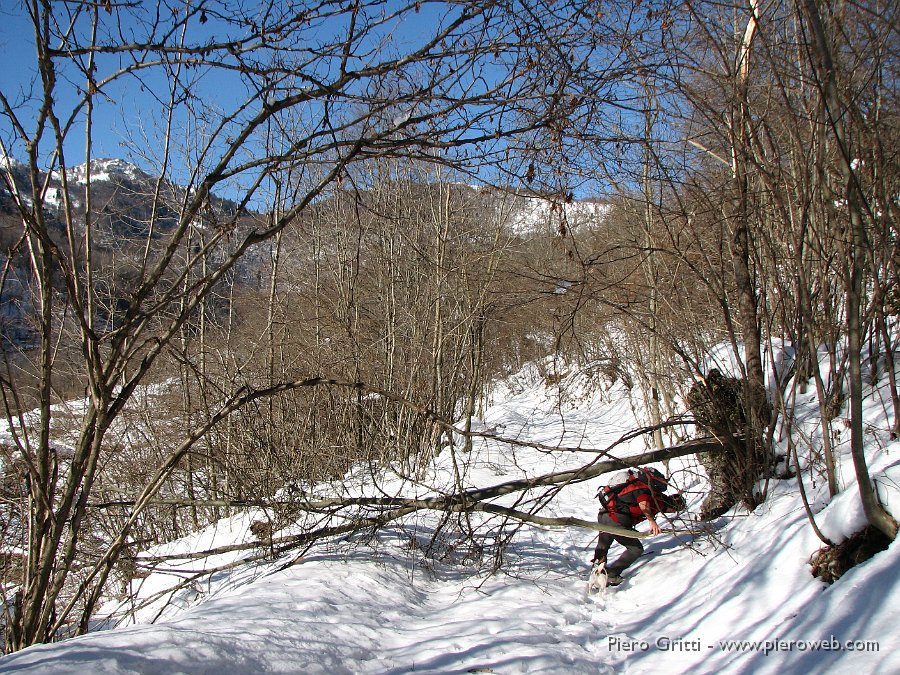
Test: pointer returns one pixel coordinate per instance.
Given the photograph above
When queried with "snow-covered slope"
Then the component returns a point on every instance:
(739, 599)
(535, 214)
(104, 170)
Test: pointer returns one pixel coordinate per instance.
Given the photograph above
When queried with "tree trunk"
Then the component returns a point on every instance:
(747, 299)
(855, 276)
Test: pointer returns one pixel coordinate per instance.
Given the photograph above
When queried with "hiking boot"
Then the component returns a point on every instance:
(613, 578)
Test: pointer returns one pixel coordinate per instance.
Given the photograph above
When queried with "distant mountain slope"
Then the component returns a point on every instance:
(128, 205)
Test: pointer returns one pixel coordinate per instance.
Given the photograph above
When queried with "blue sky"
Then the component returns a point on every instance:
(126, 111)
(128, 119)
(123, 106)
(129, 115)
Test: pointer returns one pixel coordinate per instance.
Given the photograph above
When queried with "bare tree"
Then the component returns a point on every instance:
(352, 82)
(793, 141)
(858, 250)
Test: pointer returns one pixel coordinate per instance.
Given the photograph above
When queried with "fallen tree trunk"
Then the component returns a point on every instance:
(373, 513)
(474, 500)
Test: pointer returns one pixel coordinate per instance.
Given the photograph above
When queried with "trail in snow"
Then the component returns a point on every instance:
(378, 607)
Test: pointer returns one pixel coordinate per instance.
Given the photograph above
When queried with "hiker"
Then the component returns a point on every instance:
(640, 497)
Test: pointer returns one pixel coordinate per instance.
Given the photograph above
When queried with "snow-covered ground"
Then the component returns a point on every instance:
(739, 599)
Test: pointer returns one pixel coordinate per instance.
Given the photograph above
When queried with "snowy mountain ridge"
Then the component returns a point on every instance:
(103, 170)
(527, 214)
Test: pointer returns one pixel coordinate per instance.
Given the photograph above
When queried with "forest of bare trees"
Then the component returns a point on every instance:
(323, 268)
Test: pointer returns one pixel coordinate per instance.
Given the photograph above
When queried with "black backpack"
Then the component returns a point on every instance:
(654, 479)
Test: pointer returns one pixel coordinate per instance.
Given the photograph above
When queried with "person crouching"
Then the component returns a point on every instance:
(639, 498)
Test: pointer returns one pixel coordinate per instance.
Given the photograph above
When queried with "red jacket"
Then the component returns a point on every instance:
(629, 500)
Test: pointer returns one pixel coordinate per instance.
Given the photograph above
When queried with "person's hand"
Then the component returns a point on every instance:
(654, 527)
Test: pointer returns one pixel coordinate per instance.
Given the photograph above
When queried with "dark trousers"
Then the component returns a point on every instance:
(633, 547)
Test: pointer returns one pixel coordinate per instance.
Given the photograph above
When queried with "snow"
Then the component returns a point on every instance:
(539, 214)
(738, 599)
(8, 162)
(102, 170)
